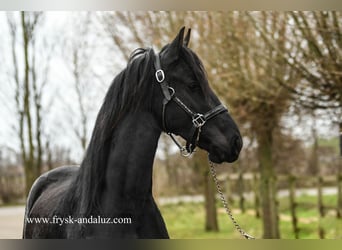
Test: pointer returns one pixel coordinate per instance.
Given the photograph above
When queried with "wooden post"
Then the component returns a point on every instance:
(339, 180)
(341, 139)
(240, 191)
(339, 193)
(321, 231)
(293, 205)
(256, 195)
(320, 197)
(228, 190)
(1, 188)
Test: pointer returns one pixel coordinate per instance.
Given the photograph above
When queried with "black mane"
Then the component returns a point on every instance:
(127, 93)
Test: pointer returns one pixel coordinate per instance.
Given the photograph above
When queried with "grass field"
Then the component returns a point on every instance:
(186, 221)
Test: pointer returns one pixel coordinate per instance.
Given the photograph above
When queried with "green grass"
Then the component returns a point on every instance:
(330, 142)
(13, 204)
(186, 221)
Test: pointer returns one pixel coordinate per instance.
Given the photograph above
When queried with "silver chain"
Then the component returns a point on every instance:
(225, 203)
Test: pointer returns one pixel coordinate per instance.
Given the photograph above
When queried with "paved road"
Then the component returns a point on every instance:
(11, 222)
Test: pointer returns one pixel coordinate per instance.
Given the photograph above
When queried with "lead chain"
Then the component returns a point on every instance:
(225, 203)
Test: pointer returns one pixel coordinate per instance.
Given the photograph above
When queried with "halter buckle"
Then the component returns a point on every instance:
(160, 76)
(184, 152)
(198, 120)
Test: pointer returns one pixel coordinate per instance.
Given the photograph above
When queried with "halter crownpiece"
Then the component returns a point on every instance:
(198, 119)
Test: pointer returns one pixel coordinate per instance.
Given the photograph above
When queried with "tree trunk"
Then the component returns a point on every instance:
(29, 163)
(37, 101)
(267, 187)
(313, 166)
(210, 204)
(293, 205)
(209, 193)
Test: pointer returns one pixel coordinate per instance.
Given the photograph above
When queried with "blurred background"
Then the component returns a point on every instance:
(279, 74)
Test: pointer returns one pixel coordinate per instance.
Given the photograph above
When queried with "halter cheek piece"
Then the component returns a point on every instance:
(198, 119)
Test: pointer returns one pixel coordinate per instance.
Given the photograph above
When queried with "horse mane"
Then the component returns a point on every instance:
(127, 93)
(130, 90)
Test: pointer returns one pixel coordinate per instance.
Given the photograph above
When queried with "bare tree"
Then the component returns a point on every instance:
(244, 68)
(250, 58)
(79, 52)
(29, 82)
(314, 53)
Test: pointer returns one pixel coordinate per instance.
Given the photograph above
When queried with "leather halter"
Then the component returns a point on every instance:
(198, 119)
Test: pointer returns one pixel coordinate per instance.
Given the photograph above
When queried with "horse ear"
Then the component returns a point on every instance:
(187, 38)
(175, 46)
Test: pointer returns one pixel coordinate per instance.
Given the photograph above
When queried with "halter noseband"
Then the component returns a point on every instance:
(198, 119)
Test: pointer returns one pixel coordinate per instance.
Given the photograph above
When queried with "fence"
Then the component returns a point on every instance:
(241, 187)
(245, 186)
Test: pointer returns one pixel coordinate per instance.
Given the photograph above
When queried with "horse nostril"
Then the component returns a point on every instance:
(238, 143)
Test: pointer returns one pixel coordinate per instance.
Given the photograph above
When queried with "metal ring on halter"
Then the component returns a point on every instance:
(160, 76)
(185, 152)
(172, 93)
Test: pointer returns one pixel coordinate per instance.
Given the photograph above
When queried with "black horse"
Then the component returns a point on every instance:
(165, 92)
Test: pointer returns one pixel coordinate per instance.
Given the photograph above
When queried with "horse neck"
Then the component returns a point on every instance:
(130, 160)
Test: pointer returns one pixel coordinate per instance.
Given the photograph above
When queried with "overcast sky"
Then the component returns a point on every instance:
(59, 100)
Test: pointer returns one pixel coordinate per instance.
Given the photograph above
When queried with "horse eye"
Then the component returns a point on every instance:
(193, 86)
